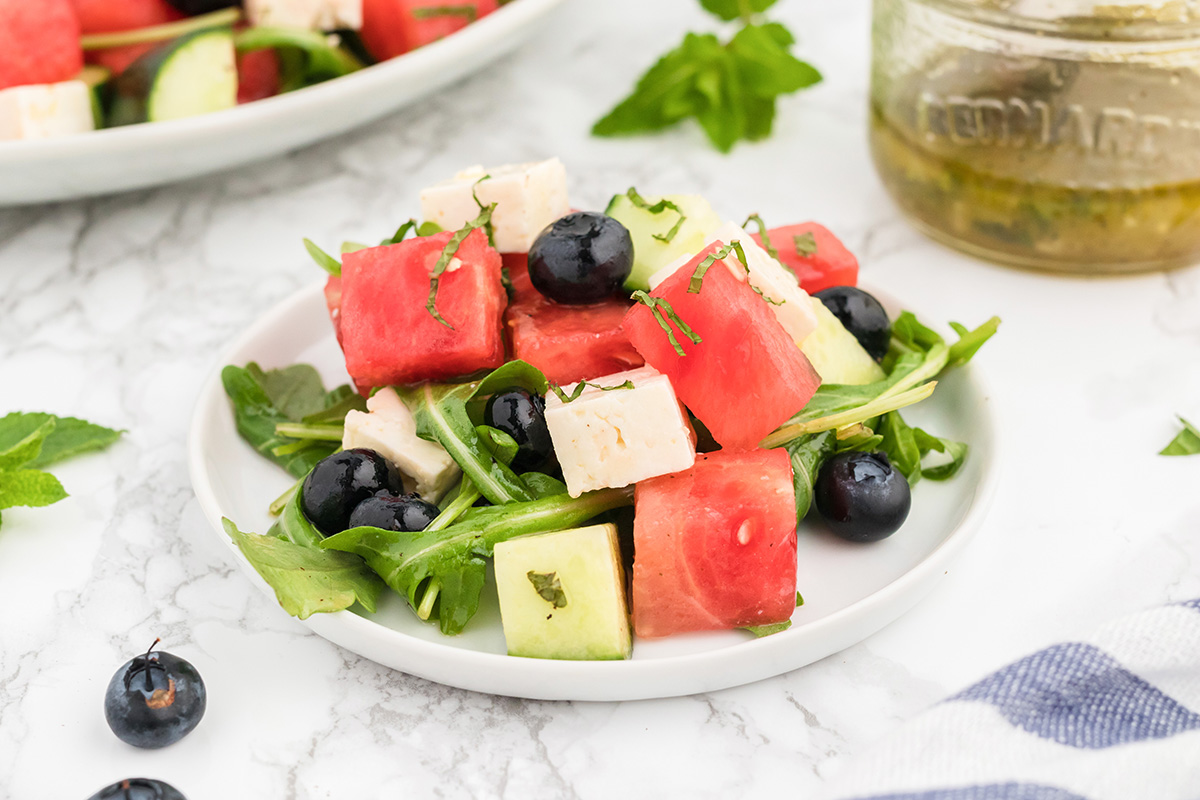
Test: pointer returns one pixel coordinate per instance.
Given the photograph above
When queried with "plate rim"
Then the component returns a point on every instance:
(649, 678)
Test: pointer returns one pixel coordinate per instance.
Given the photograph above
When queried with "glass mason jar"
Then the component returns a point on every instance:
(1050, 134)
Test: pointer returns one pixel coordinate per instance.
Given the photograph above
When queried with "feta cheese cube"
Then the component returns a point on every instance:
(794, 312)
(618, 437)
(528, 197)
(315, 15)
(390, 430)
(45, 110)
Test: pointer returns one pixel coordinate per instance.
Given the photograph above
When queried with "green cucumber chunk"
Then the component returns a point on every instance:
(651, 254)
(192, 75)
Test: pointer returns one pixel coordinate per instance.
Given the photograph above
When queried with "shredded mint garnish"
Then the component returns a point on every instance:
(658, 208)
(806, 244)
(698, 276)
(484, 219)
(549, 587)
(663, 312)
(579, 387)
(487, 226)
(468, 12)
(762, 232)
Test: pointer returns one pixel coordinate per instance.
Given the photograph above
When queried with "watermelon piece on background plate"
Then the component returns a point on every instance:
(567, 343)
(819, 262)
(715, 545)
(258, 75)
(117, 59)
(393, 27)
(388, 335)
(39, 42)
(106, 16)
(746, 376)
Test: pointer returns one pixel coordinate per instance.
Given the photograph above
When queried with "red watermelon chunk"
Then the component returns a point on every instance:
(715, 545)
(746, 376)
(388, 335)
(393, 27)
(258, 75)
(333, 302)
(39, 42)
(106, 16)
(830, 263)
(567, 343)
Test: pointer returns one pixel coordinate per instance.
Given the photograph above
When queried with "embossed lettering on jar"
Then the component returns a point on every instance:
(1054, 134)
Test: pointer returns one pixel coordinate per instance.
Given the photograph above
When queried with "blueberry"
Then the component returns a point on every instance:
(862, 315)
(195, 7)
(581, 258)
(154, 700)
(139, 789)
(340, 482)
(861, 497)
(523, 417)
(405, 513)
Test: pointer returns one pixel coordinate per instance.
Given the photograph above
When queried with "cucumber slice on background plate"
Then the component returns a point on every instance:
(97, 79)
(191, 75)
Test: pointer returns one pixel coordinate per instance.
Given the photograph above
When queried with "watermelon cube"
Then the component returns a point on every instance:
(39, 42)
(819, 258)
(715, 545)
(388, 335)
(393, 27)
(568, 343)
(107, 16)
(746, 376)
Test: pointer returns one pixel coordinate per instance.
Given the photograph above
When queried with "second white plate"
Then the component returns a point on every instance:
(850, 590)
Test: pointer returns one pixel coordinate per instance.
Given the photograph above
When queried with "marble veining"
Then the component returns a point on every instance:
(115, 309)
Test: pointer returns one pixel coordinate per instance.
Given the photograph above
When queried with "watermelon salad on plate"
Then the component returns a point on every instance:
(72, 66)
(616, 424)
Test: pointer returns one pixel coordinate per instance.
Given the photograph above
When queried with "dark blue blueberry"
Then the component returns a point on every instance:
(407, 513)
(861, 497)
(154, 700)
(581, 258)
(337, 484)
(862, 315)
(523, 417)
(139, 789)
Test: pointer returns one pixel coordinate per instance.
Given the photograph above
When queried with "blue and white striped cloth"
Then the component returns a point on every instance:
(1114, 716)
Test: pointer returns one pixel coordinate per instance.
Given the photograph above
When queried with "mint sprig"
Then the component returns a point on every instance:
(1187, 443)
(730, 88)
(31, 441)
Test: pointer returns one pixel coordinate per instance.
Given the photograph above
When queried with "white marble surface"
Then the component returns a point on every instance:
(115, 310)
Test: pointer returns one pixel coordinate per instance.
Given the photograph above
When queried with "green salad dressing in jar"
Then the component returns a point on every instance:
(1050, 134)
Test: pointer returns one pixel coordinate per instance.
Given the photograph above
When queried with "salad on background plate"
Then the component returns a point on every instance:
(611, 426)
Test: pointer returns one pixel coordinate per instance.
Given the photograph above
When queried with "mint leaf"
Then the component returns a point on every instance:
(29, 487)
(666, 94)
(72, 437)
(308, 580)
(549, 587)
(32, 430)
(732, 9)
(766, 67)
(1187, 443)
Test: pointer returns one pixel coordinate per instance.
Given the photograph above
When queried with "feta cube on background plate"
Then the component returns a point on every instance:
(528, 197)
(45, 110)
(390, 430)
(316, 15)
(794, 312)
(618, 437)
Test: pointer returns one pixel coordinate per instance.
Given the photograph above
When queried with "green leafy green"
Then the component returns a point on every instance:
(305, 57)
(293, 526)
(808, 453)
(697, 280)
(579, 387)
(326, 261)
(265, 399)
(31, 441)
(308, 580)
(1186, 443)
(762, 234)
(766, 630)
(441, 573)
(730, 88)
(900, 445)
(955, 452)
(805, 244)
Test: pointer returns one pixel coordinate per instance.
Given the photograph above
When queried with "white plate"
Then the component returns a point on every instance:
(137, 156)
(850, 591)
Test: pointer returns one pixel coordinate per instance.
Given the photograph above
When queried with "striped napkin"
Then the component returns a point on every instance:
(1114, 716)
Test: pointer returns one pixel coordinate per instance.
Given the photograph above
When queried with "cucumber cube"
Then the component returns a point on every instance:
(835, 354)
(562, 595)
(650, 254)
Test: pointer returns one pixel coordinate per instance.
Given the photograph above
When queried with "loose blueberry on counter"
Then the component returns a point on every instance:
(523, 417)
(862, 315)
(340, 482)
(154, 700)
(139, 789)
(861, 496)
(408, 513)
(581, 258)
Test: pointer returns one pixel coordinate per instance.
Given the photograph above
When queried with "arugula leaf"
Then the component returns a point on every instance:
(520, 374)
(306, 57)
(729, 10)
(955, 451)
(900, 445)
(308, 580)
(730, 88)
(263, 400)
(766, 630)
(441, 573)
(293, 526)
(543, 485)
(326, 261)
(1186, 443)
(808, 453)
(29, 487)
